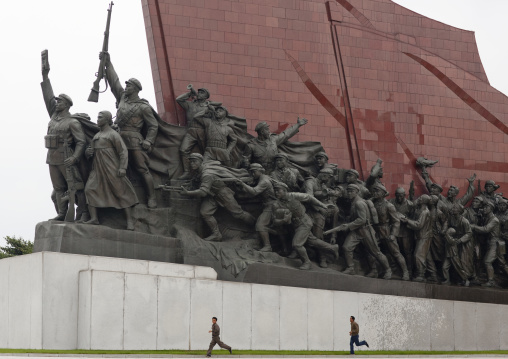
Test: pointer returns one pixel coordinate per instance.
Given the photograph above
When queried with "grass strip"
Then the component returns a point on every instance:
(252, 352)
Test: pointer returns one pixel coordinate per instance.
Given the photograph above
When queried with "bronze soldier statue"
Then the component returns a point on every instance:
(404, 208)
(457, 232)
(214, 193)
(321, 162)
(474, 215)
(220, 137)
(453, 191)
(192, 102)
(108, 186)
(489, 193)
(352, 176)
(262, 188)
(360, 231)
(323, 189)
(263, 148)
(422, 226)
(495, 246)
(387, 227)
(132, 116)
(65, 141)
(295, 214)
(286, 174)
(437, 245)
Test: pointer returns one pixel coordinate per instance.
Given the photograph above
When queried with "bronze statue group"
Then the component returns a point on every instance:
(306, 204)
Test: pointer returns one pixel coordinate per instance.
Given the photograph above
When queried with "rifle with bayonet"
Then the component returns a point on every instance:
(71, 185)
(101, 73)
(168, 188)
(164, 187)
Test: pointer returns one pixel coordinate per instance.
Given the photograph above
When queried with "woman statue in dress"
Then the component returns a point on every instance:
(108, 185)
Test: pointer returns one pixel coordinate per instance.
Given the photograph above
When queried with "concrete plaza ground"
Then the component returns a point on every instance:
(220, 354)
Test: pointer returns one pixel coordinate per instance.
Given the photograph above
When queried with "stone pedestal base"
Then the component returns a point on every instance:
(100, 240)
(68, 301)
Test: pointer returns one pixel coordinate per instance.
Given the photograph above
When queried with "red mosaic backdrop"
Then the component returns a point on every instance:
(375, 80)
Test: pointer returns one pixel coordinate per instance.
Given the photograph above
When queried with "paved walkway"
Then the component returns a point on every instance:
(226, 356)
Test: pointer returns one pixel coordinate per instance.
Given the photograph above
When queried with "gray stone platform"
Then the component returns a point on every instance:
(238, 260)
(100, 240)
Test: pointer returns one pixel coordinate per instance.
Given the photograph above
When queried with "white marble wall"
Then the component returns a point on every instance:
(39, 296)
(64, 301)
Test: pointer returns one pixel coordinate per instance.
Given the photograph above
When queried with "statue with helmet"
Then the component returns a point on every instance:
(137, 125)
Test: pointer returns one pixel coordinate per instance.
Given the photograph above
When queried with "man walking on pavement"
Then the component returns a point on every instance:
(354, 333)
(216, 338)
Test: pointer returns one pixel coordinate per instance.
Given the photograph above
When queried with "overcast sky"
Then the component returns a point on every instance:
(72, 31)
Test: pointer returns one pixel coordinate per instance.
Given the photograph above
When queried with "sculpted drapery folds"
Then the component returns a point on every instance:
(276, 187)
(133, 118)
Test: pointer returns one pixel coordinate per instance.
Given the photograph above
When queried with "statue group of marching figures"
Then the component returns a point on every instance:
(307, 204)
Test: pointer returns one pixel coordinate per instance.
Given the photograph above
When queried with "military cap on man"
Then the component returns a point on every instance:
(437, 186)
(280, 155)
(326, 171)
(205, 91)
(400, 190)
(380, 187)
(353, 186)
(424, 198)
(195, 156)
(277, 184)
(256, 166)
(134, 82)
(225, 109)
(321, 154)
(354, 172)
(492, 183)
(260, 126)
(65, 97)
(490, 204)
(502, 200)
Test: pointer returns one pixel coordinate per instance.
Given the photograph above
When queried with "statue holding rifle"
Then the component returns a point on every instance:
(134, 116)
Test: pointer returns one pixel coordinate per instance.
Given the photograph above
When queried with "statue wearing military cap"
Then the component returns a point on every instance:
(451, 197)
(134, 117)
(263, 149)
(321, 162)
(295, 214)
(360, 231)
(323, 188)
(213, 193)
(135, 82)
(65, 141)
(404, 207)
(286, 174)
(263, 190)
(489, 194)
(502, 215)
(496, 246)
(220, 137)
(351, 178)
(193, 102)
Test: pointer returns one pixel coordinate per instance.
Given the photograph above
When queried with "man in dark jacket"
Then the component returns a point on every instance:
(216, 338)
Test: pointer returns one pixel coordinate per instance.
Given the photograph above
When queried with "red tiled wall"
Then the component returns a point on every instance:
(413, 86)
